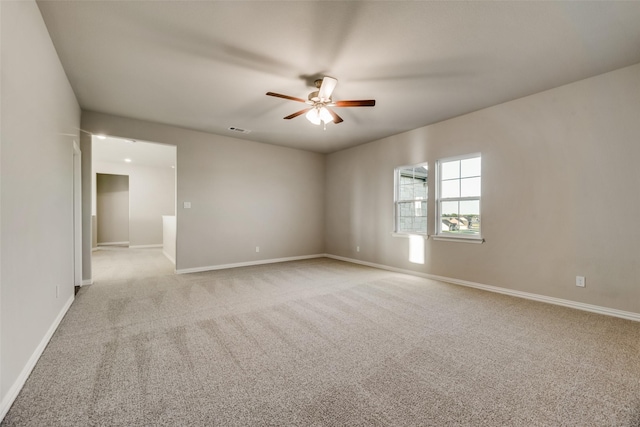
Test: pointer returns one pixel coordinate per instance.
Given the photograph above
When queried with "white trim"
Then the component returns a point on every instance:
(247, 264)
(11, 395)
(113, 243)
(629, 315)
(87, 282)
(145, 246)
(77, 214)
(452, 238)
(173, 261)
(408, 235)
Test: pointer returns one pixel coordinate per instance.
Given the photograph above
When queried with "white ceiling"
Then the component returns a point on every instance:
(207, 65)
(115, 150)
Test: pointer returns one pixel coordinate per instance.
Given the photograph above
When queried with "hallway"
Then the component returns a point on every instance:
(121, 263)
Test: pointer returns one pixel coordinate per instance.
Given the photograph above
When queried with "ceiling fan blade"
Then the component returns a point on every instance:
(279, 95)
(360, 103)
(336, 118)
(296, 114)
(327, 87)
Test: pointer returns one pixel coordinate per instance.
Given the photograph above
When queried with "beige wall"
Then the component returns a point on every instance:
(152, 194)
(112, 199)
(560, 194)
(243, 194)
(40, 120)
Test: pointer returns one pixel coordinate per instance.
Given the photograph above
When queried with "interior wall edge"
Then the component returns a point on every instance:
(15, 388)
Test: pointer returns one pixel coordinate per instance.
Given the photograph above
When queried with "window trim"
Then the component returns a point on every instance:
(396, 201)
(445, 235)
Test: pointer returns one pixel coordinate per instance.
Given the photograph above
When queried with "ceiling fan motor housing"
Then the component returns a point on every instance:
(313, 96)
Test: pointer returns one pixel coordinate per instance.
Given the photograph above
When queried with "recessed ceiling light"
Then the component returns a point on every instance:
(127, 160)
(101, 137)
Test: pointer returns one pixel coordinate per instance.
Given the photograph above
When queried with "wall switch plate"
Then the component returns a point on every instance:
(357, 248)
(186, 205)
(57, 291)
(580, 281)
(257, 248)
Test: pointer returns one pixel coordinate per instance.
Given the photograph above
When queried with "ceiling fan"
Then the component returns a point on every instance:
(319, 100)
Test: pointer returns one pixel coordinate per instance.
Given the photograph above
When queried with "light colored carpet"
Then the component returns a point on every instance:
(112, 263)
(327, 343)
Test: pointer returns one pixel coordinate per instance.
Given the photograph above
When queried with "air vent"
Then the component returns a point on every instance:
(239, 130)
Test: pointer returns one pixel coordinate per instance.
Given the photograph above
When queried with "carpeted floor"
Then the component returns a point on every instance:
(325, 343)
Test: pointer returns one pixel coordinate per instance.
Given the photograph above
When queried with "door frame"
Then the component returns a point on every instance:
(77, 214)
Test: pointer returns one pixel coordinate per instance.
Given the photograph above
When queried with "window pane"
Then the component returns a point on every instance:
(406, 192)
(420, 190)
(448, 216)
(450, 189)
(470, 187)
(405, 209)
(412, 217)
(450, 170)
(412, 183)
(449, 208)
(470, 167)
(470, 207)
(470, 215)
(420, 172)
(411, 201)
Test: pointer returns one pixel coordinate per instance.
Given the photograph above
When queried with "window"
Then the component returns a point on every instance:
(459, 197)
(411, 199)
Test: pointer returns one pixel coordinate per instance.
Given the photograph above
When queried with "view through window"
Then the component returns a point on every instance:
(459, 196)
(411, 199)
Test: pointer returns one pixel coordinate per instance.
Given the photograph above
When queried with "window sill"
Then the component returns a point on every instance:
(408, 235)
(477, 240)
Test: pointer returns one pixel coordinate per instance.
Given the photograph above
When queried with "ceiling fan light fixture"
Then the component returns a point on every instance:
(318, 115)
(313, 116)
(325, 115)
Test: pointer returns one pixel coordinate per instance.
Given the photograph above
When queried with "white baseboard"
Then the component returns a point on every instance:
(13, 391)
(145, 246)
(172, 259)
(247, 264)
(113, 243)
(94, 249)
(629, 315)
(87, 282)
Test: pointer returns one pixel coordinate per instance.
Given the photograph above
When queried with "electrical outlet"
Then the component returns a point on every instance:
(357, 248)
(257, 248)
(580, 281)
(186, 205)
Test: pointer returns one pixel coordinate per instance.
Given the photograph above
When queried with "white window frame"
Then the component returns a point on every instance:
(448, 235)
(397, 201)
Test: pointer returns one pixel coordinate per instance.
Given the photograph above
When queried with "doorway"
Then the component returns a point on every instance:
(134, 197)
(112, 209)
